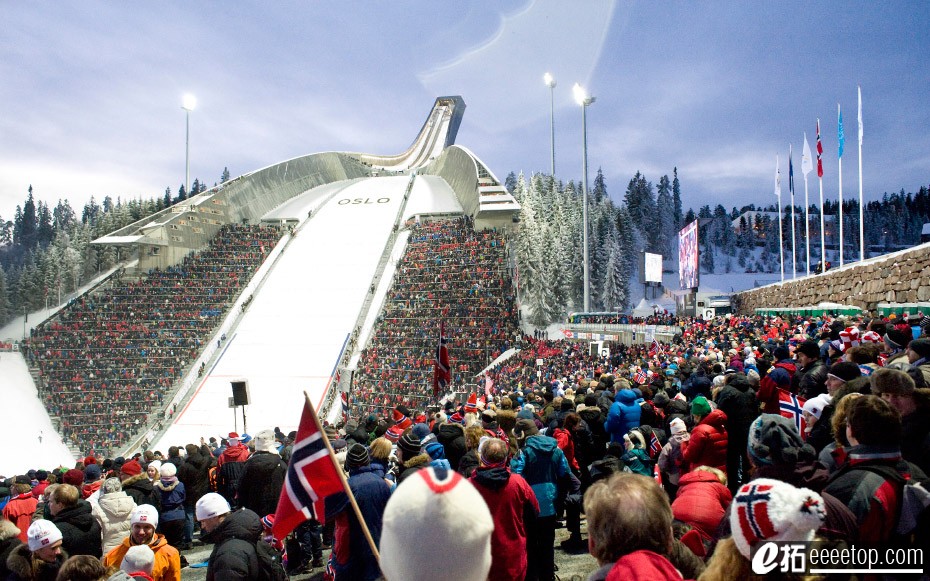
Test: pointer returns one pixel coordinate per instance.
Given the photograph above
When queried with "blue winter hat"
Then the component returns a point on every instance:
(92, 473)
(421, 431)
(435, 450)
(525, 414)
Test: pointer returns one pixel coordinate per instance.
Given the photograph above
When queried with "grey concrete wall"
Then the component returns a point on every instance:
(901, 277)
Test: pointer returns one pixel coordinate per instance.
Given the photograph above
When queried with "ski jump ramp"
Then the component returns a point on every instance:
(344, 211)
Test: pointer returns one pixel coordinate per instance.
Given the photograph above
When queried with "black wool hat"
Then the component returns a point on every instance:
(409, 444)
(781, 352)
(921, 347)
(357, 456)
(845, 370)
(810, 349)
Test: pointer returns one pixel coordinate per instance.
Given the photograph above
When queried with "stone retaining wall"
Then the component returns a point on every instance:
(901, 277)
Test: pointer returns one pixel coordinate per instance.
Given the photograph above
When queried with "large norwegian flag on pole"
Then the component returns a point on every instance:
(442, 374)
(311, 476)
(656, 349)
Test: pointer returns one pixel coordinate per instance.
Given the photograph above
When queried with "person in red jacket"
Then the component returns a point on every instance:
(21, 507)
(778, 377)
(513, 508)
(702, 500)
(708, 443)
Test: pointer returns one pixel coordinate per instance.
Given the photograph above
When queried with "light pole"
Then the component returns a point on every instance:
(583, 99)
(187, 103)
(550, 82)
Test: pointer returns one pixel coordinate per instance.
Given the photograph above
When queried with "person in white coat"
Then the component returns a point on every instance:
(113, 511)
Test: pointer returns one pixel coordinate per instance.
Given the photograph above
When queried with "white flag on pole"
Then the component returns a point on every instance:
(806, 163)
(860, 115)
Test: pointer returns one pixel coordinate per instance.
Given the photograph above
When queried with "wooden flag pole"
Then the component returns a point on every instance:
(345, 482)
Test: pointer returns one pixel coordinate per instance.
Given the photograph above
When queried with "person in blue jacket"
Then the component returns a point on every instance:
(623, 416)
(543, 465)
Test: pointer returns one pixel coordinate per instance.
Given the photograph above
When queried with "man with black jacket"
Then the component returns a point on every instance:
(234, 536)
(737, 399)
(263, 476)
(80, 531)
(811, 377)
(194, 473)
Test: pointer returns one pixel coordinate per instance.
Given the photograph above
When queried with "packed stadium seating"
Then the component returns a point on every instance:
(449, 273)
(108, 359)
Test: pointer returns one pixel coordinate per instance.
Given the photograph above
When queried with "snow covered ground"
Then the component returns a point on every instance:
(29, 440)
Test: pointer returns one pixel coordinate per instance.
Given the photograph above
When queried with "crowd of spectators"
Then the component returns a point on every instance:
(657, 318)
(108, 359)
(663, 450)
(452, 274)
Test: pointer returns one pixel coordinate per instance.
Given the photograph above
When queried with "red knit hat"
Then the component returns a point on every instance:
(472, 405)
(74, 477)
(131, 468)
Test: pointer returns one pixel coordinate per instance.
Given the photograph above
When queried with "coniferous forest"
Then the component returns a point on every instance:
(46, 252)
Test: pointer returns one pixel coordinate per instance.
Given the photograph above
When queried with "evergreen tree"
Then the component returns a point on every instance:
(676, 201)
(6, 307)
(510, 182)
(627, 252)
(224, 177)
(182, 194)
(666, 218)
(600, 187)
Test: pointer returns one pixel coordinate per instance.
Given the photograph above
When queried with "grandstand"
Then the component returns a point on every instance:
(327, 240)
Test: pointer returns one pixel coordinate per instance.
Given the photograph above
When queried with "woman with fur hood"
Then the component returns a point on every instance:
(171, 517)
(112, 511)
(9, 540)
(41, 558)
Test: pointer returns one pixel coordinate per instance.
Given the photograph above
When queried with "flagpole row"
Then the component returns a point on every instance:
(345, 482)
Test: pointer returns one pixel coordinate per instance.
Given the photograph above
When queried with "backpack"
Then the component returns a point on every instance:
(270, 562)
(913, 526)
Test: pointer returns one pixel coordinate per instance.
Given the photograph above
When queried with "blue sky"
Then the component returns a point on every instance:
(91, 91)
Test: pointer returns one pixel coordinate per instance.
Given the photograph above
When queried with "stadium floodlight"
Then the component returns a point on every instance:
(188, 102)
(583, 99)
(550, 82)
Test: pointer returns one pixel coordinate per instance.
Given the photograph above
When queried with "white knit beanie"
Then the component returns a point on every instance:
(138, 558)
(145, 514)
(450, 522)
(677, 426)
(210, 505)
(42, 533)
(168, 470)
(772, 510)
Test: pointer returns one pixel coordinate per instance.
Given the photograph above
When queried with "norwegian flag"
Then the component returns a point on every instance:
(442, 374)
(344, 398)
(656, 349)
(311, 477)
(819, 152)
(654, 446)
(641, 377)
(792, 407)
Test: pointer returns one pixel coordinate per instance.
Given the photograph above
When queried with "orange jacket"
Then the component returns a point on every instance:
(167, 558)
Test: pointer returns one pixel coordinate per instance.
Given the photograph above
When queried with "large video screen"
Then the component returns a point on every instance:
(653, 267)
(688, 256)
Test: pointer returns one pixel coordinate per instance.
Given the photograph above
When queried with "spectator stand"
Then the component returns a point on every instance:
(451, 273)
(214, 348)
(111, 357)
